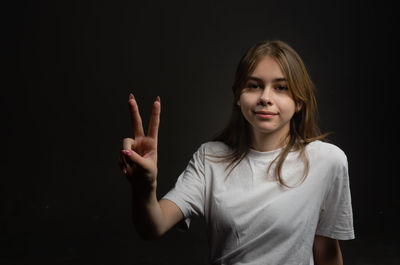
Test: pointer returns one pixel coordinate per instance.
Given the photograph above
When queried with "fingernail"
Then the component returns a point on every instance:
(158, 99)
(124, 170)
(126, 152)
(131, 96)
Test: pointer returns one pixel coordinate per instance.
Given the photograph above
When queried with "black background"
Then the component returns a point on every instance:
(70, 65)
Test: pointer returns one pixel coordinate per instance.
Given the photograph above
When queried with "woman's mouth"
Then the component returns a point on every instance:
(265, 114)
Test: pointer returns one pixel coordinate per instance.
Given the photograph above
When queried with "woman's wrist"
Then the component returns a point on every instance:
(144, 193)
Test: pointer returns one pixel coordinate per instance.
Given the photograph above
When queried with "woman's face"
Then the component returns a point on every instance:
(265, 101)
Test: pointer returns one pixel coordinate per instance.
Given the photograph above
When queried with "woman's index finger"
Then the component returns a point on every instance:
(135, 115)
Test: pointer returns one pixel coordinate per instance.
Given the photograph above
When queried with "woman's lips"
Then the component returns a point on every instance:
(265, 114)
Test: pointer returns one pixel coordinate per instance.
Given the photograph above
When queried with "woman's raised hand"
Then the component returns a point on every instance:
(139, 154)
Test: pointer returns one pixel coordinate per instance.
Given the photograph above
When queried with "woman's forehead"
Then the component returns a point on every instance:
(268, 70)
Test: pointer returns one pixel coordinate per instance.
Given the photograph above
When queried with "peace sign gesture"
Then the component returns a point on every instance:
(139, 154)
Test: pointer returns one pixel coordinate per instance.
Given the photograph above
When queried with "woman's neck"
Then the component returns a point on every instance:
(268, 142)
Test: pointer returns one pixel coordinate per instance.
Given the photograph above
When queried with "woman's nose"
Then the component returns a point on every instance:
(265, 97)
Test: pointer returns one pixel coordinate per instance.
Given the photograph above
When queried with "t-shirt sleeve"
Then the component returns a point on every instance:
(189, 189)
(336, 217)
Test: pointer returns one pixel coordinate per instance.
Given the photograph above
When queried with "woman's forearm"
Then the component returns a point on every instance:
(147, 215)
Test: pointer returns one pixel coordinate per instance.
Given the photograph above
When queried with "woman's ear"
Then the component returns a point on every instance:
(299, 106)
(238, 103)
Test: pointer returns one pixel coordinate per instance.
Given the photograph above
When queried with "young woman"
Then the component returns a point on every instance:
(269, 190)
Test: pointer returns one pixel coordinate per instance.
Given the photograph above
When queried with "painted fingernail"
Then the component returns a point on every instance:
(131, 96)
(124, 170)
(126, 152)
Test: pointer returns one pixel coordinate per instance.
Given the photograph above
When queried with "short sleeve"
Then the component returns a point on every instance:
(336, 217)
(188, 192)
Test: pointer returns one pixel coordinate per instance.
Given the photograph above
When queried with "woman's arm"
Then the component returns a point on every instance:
(152, 218)
(327, 251)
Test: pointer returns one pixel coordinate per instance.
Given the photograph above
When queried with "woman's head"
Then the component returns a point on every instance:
(267, 105)
(300, 86)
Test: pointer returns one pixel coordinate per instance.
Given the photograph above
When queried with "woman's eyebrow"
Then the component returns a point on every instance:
(279, 79)
(255, 79)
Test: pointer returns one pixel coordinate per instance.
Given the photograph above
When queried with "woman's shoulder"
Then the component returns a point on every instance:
(215, 148)
(327, 151)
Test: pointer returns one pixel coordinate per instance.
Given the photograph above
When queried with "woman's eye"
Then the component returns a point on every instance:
(282, 88)
(253, 86)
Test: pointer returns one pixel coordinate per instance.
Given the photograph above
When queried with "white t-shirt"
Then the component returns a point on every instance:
(251, 219)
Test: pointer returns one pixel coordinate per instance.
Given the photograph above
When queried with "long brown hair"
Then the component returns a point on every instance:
(303, 125)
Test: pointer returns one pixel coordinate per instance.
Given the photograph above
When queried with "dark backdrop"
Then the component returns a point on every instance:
(71, 65)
